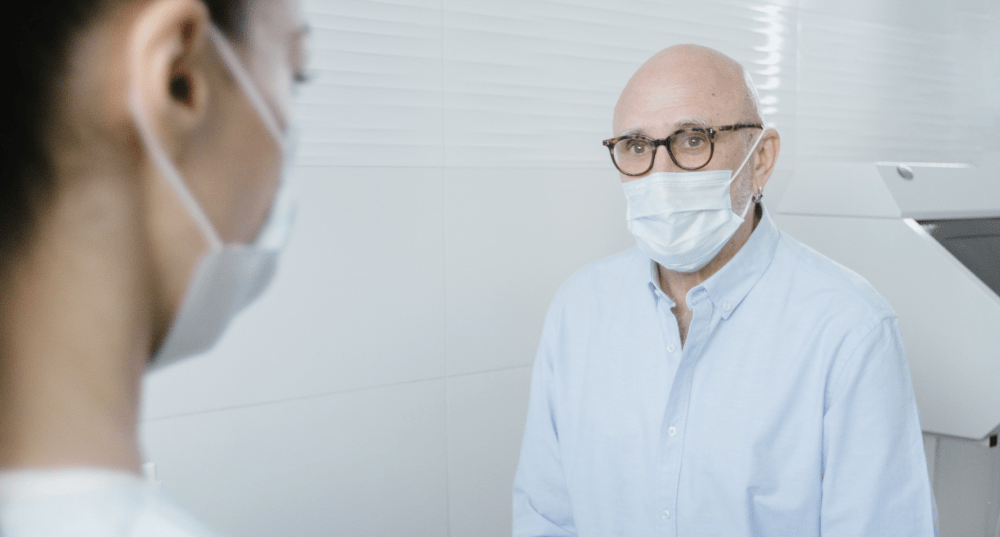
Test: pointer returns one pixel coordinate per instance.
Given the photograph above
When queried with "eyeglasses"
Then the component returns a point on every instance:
(690, 149)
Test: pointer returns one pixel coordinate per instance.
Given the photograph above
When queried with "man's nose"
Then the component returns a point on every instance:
(662, 161)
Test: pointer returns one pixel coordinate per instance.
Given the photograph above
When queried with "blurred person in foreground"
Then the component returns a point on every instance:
(721, 378)
(142, 166)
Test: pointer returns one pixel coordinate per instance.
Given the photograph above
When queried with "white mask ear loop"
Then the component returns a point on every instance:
(243, 79)
(167, 168)
(749, 153)
(744, 163)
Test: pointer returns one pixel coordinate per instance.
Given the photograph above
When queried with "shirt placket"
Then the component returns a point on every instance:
(673, 430)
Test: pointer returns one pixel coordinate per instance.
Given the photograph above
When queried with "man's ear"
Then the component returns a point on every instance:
(168, 65)
(767, 156)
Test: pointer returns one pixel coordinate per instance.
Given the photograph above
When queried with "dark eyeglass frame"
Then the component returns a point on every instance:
(709, 131)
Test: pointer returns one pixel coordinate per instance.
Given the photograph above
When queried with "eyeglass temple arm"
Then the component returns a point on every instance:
(739, 126)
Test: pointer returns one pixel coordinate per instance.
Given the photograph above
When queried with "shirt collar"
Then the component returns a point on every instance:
(731, 283)
(37, 484)
(654, 285)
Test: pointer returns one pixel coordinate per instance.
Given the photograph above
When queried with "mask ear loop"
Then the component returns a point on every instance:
(168, 170)
(283, 212)
(749, 153)
(755, 198)
(243, 79)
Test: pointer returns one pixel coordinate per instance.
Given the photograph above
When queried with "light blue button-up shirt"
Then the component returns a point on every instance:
(788, 411)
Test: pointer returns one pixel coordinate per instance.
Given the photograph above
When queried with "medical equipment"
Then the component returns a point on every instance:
(927, 237)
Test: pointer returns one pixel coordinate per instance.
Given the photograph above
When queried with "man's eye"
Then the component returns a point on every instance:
(637, 148)
(692, 141)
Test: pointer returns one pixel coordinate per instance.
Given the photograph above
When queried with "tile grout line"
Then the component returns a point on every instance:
(333, 393)
(444, 290)
(293, 399)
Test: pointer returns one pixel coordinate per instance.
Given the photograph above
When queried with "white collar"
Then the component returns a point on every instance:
(37, 484)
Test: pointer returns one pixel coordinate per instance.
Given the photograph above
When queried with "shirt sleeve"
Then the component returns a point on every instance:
(875, 479)
(541, 500)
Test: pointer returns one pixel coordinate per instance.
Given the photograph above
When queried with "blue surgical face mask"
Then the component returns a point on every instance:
(682, 220)
(229, 276)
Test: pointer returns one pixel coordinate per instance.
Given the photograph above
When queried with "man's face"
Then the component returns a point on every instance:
(676, 92)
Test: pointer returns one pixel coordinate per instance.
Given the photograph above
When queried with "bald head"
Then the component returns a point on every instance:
(690, 82)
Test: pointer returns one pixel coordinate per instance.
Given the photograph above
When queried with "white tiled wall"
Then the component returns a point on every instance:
(358, 302)
(513, 235)
(485, 421)
(451, 176)
(364, 462)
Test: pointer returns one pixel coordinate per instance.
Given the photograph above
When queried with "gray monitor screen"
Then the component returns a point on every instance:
(975, 242)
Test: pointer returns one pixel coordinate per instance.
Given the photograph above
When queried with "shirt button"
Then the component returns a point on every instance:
(672, 431)
(666, 515)
(726, 306)
(671, 348)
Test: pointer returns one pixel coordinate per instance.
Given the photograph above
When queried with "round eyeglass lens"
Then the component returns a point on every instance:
(633, 155)
(691, 148)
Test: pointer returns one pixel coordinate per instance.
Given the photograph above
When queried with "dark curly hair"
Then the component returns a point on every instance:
(38, 41)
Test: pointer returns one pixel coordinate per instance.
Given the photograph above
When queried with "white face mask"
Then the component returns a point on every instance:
(230, 276)
(682, 220)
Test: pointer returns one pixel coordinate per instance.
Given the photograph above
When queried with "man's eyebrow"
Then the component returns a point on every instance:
(691, 122)
(632, 132)
(682, 124)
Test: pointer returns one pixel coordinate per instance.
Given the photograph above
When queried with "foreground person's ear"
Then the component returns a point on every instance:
(169, 58)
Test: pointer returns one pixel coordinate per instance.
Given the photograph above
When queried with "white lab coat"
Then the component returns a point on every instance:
(89, 503)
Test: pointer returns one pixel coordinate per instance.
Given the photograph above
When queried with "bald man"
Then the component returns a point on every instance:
(720, 379)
